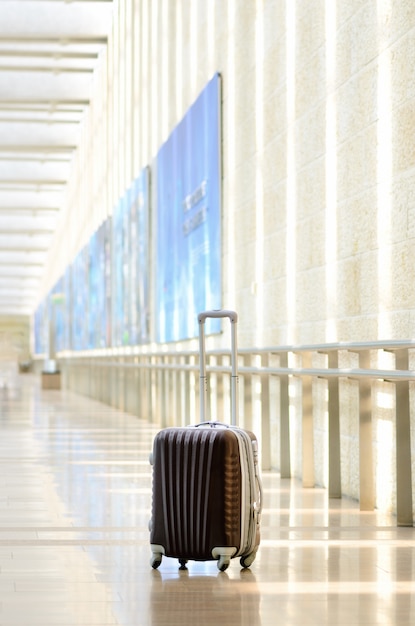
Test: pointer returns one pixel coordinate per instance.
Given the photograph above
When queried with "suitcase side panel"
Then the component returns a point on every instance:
(196, 492)
(251, 492)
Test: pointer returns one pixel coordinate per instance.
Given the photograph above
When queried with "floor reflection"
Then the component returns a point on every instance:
(223, 598)
(75, 500)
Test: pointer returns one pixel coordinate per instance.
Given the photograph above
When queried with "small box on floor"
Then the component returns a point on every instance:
(51, 381)
(51, 376)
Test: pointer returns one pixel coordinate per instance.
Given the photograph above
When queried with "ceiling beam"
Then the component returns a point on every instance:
(35, 159)
(29, 278)
(16, 264)
(34, 181)
(48, 70)
(30, 232)
(15, 148)
(59, 41)
(46, 103)
(28, 120)
(28, 210)
(31, 249)
(48, 54)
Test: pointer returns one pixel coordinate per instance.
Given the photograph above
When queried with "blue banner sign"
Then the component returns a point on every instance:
(80, 299)
(130, 263)
(188, 273)
(139, 263)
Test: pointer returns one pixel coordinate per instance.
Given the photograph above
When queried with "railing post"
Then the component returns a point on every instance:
(121, 384)
(157, 391)
(265, 416)
(403, 446)
(179, 382)
(335, 490)
(100, 374)
(164, 391)
(174, 380)
(113, 381)
(365, 437)
(89, 363)
(140, 387)
(127, 384)
(148, 374)
(133, 384)
(108, 384)
(248, 405)
(285, 455)
(159, 395)
(136, 387)
(307, 424)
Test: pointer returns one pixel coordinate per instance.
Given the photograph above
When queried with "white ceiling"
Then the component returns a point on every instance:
(48, 52)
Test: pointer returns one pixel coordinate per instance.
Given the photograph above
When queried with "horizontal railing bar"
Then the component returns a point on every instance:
(355, 373)
(399, 344)
(388, 345)
(149, 366)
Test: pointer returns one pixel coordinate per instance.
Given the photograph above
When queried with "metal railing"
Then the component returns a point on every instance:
(162, 386)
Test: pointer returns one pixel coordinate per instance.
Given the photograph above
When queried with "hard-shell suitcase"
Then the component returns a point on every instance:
(207, 493)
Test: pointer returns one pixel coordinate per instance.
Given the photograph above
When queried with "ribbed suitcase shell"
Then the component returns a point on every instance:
(196, 492)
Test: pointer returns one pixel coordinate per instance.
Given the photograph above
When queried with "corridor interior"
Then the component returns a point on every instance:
(75, 498)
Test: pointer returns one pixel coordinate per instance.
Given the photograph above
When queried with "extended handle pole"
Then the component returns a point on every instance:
(233, 316)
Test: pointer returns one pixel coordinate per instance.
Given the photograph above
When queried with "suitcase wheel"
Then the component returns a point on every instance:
(183, 563)
(223, 556)
(223, 563)
(156, 555)
(155, 561)
(247, 560)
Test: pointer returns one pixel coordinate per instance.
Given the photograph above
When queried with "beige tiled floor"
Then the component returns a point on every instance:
(74, 508)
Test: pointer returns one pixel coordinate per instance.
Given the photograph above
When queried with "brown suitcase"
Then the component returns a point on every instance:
(207, 493)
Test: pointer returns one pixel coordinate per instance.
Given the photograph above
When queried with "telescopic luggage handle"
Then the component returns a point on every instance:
(233, 317)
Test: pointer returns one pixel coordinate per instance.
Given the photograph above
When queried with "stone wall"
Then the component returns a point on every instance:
(318, 166)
